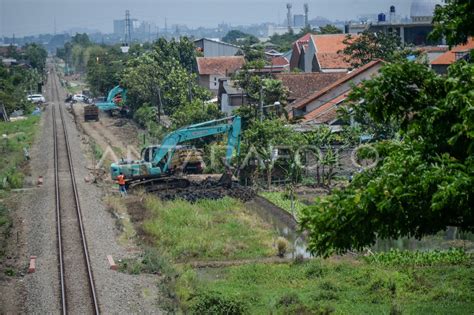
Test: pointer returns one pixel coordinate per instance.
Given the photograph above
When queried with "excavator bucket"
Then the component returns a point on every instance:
(226, 179)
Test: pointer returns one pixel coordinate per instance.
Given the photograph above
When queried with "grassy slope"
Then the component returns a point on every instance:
(19, 134)
(208, 230)
(347, 288)
(280, 199)
(224, 229)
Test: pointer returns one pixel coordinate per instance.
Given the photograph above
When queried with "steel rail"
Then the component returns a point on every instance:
(92, 291)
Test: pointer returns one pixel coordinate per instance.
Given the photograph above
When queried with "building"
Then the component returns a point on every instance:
(459, 52)
(298, 20)
(300, 85)
(230, 96)
(414, 31)
(211, 69)
(321, 106)
(215, 48)
(273, 29)
(119, 26)
(319, 53)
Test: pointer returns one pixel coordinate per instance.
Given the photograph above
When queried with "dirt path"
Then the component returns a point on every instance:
(115, 133)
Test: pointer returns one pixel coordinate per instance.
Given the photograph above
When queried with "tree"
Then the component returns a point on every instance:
(370, 46)
(270, 143)
(15, 83)
(183, 51)
(284, 42)
(253, 53)
(159, 79)
(81, 40)
(422, 183)
(239, 37)
(104, 68)
(253, 83)
(330, 29)
(454, 21)
(36, 55)
(195, 112)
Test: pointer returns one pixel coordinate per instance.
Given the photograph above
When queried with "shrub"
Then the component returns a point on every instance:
(288, 299)
(213, 302)
(282, 246)
(396, 257)
(315, 270)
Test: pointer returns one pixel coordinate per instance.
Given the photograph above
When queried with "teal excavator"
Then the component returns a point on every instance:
(116, 99)
(153, 170)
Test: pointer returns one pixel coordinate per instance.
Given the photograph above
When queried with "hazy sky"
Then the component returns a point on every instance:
(27, 17)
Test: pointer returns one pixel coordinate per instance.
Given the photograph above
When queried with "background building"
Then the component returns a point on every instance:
(414, 30)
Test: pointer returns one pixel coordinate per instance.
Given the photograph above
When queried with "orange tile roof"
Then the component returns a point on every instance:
(449, 57)
(306, 100)
(332, 61)
(328, 49)
(280, 61)
(219, 65)
(330, 43)
(302, 84)
(327, 112)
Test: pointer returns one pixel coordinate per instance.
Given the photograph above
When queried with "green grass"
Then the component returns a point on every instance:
(208, 230)
(20, 134)
(5, 227)
(282, 200)
(395, 257)
(324, 287)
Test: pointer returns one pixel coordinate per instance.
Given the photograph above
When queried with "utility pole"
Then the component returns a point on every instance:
(160, 104)
(190, 91)
(128, 33)
(260, 107)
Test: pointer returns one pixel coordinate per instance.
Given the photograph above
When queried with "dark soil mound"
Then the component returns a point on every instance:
(207, 189)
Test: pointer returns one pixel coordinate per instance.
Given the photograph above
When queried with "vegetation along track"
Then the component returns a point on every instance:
(78, 293)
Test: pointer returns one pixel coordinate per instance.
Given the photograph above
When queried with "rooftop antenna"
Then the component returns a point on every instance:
(306, 10)
(288, 16)
(126, 45)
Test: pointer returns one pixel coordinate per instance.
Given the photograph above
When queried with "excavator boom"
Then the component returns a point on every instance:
(116, 95)
(159, 158)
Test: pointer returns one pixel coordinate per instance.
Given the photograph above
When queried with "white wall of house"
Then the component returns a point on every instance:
(309, 55)
(333, 70)
(342, 88)
(214, 81)
(225, 106)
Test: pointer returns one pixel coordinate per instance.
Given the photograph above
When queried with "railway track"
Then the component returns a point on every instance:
(78, 294)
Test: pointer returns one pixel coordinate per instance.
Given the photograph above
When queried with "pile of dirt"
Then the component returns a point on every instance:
(208, 189)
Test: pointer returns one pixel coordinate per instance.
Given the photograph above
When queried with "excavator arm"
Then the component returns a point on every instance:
(154, 168)
(110, 103)
(199, 131)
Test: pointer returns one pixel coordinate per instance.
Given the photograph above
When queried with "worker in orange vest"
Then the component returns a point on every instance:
(122, 186)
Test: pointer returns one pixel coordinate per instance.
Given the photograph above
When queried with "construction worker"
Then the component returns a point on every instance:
(121, 182)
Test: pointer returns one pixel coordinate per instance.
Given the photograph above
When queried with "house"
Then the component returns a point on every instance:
(412, 30)
(432, 52)
(211, 69)
(300, 85)
(441, 64)
(230, 96)
(321, 107)
(297, 53)
(320, 53)
(215, 48)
